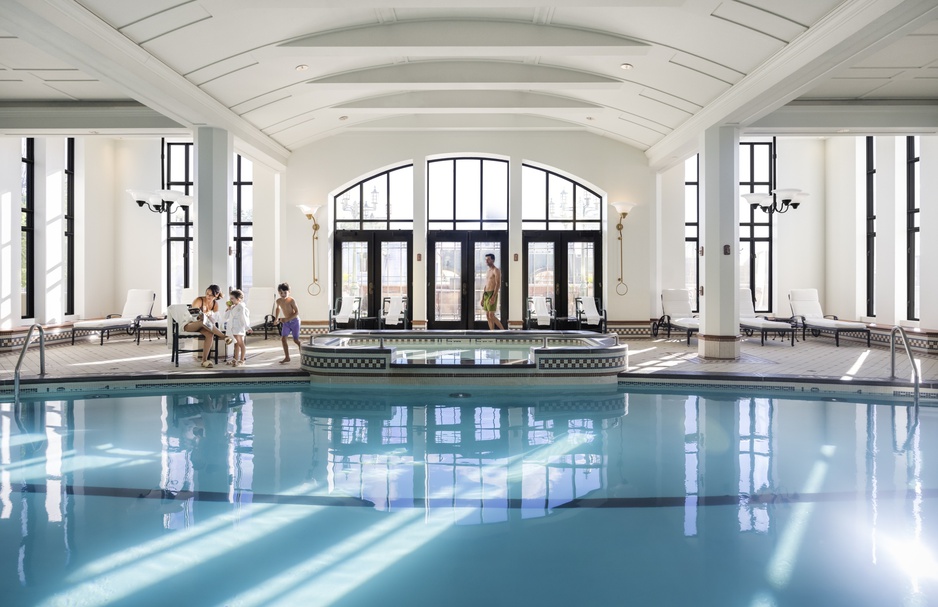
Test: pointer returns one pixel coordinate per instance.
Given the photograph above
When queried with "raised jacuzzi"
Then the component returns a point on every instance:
(487, 357)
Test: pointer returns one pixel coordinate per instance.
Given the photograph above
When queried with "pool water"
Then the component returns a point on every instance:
(466, 496)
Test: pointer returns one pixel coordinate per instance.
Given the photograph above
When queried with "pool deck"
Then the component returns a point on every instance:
(651, 361)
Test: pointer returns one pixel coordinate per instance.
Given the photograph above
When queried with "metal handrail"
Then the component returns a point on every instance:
(42, 359)
(908, 351)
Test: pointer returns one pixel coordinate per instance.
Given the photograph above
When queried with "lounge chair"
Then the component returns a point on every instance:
(750, 323)
(263, 301)
(540, 313)
(139, 303)
(590, 313)
(346, 311)
(675, 303)
(177, 317)
(806, 306)
(393, 312)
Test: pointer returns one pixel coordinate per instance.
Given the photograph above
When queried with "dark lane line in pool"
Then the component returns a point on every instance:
(599, 502)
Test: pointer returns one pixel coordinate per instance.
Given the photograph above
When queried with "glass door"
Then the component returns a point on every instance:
(457, 276)
(372, 265)
(563, 266)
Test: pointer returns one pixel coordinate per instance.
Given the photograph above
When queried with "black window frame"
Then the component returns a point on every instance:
(363, 222)
(751, 225)
(571, 225)
(186, 185)
(913, 214)
(28, 227)
(69, 231)
(455, 224)
(870, 227)
(694, 226)
(239, 225)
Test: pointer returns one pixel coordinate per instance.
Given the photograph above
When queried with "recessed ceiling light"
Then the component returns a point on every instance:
(343, 117)
(626, 66)
(590, 118)
(302, 67)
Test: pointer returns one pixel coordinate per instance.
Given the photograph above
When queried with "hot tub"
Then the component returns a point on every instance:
(489, 357)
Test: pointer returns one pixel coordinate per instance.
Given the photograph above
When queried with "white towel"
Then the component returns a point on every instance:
(180, 313)
(395, 311)
(540, 310)
(346, 311)
(589, 308)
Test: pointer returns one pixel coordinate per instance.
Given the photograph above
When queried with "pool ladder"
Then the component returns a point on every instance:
(908, 351)
(19, 363)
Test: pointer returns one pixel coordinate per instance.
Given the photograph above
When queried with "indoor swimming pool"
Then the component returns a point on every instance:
(466, 496)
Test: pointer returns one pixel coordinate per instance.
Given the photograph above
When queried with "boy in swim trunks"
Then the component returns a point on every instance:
(493, 283)
(289, 317)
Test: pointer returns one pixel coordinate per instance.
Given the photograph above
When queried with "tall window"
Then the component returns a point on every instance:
(913, 216)
(551, 202)
(27, 231)
(243, 222)
(178, 173)
(692, 227)
(380, 202)
(756, 174)
(870, 228)
(69, 233)
(467, 194)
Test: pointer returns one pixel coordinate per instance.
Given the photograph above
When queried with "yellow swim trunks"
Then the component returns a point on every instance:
(488, 301)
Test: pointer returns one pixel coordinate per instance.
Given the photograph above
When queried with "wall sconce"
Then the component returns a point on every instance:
(162, 201)
(623, 209)
(310, 211)
(779, 201)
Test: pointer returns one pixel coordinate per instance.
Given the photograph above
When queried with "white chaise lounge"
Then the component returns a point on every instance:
(139, 303)
(675, 303)
(806, 307)
(749, 322)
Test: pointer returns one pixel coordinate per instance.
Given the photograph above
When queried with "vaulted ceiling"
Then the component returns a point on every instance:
(653, 74)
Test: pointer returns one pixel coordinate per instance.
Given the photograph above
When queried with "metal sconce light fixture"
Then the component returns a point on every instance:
(310, 211)
(779, 201)
(160, 202)
(623, 209)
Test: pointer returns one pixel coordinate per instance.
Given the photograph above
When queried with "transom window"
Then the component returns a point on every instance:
(552, 202)
(467, 194)
(381, 202)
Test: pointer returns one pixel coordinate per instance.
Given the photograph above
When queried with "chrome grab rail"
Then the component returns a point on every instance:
(908, 351)
(42, 359)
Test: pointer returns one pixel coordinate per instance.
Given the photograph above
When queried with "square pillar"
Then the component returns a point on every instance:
(719, 239)
(214, 149)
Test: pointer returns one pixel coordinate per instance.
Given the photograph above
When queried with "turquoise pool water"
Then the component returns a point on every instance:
(466, 496)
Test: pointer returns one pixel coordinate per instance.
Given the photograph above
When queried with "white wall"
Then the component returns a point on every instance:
(621, 171)
(844, 293)
(801, 234)
(670, 235)
(10, 159)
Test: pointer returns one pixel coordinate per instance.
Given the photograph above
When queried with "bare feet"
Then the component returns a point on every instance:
(285, 360)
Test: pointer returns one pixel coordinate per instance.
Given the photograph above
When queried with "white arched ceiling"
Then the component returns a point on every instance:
(280, 74)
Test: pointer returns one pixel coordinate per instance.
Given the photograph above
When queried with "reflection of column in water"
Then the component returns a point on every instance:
(419, 434)
(179, 436)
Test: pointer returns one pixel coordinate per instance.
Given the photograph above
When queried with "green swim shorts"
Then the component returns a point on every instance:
(488, 301)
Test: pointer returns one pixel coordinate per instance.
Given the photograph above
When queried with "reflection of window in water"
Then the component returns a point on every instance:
(691, 463)
(394, 430)
(755, 462)
(488, 423)
(354, 431)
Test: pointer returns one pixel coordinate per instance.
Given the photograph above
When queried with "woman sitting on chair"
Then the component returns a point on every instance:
(207, 306)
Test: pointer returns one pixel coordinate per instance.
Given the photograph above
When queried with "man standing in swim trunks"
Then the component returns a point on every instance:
(493, 284)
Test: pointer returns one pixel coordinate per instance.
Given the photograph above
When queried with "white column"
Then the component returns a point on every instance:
(890, 230)
(418, 299)
(213, 169)
(515, 256)
(719, 237)
(928, 237)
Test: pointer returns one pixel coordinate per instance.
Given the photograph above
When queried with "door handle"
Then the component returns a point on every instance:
(556, 288)
(371, 288)
(463, 288)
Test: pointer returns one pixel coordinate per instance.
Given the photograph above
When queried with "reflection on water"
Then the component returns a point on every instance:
(707, 468)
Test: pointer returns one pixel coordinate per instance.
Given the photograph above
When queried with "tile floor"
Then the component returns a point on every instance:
(816, 358)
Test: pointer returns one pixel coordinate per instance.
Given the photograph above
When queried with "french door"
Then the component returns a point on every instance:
(563, 266)
(456, 277)
(373, 265)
